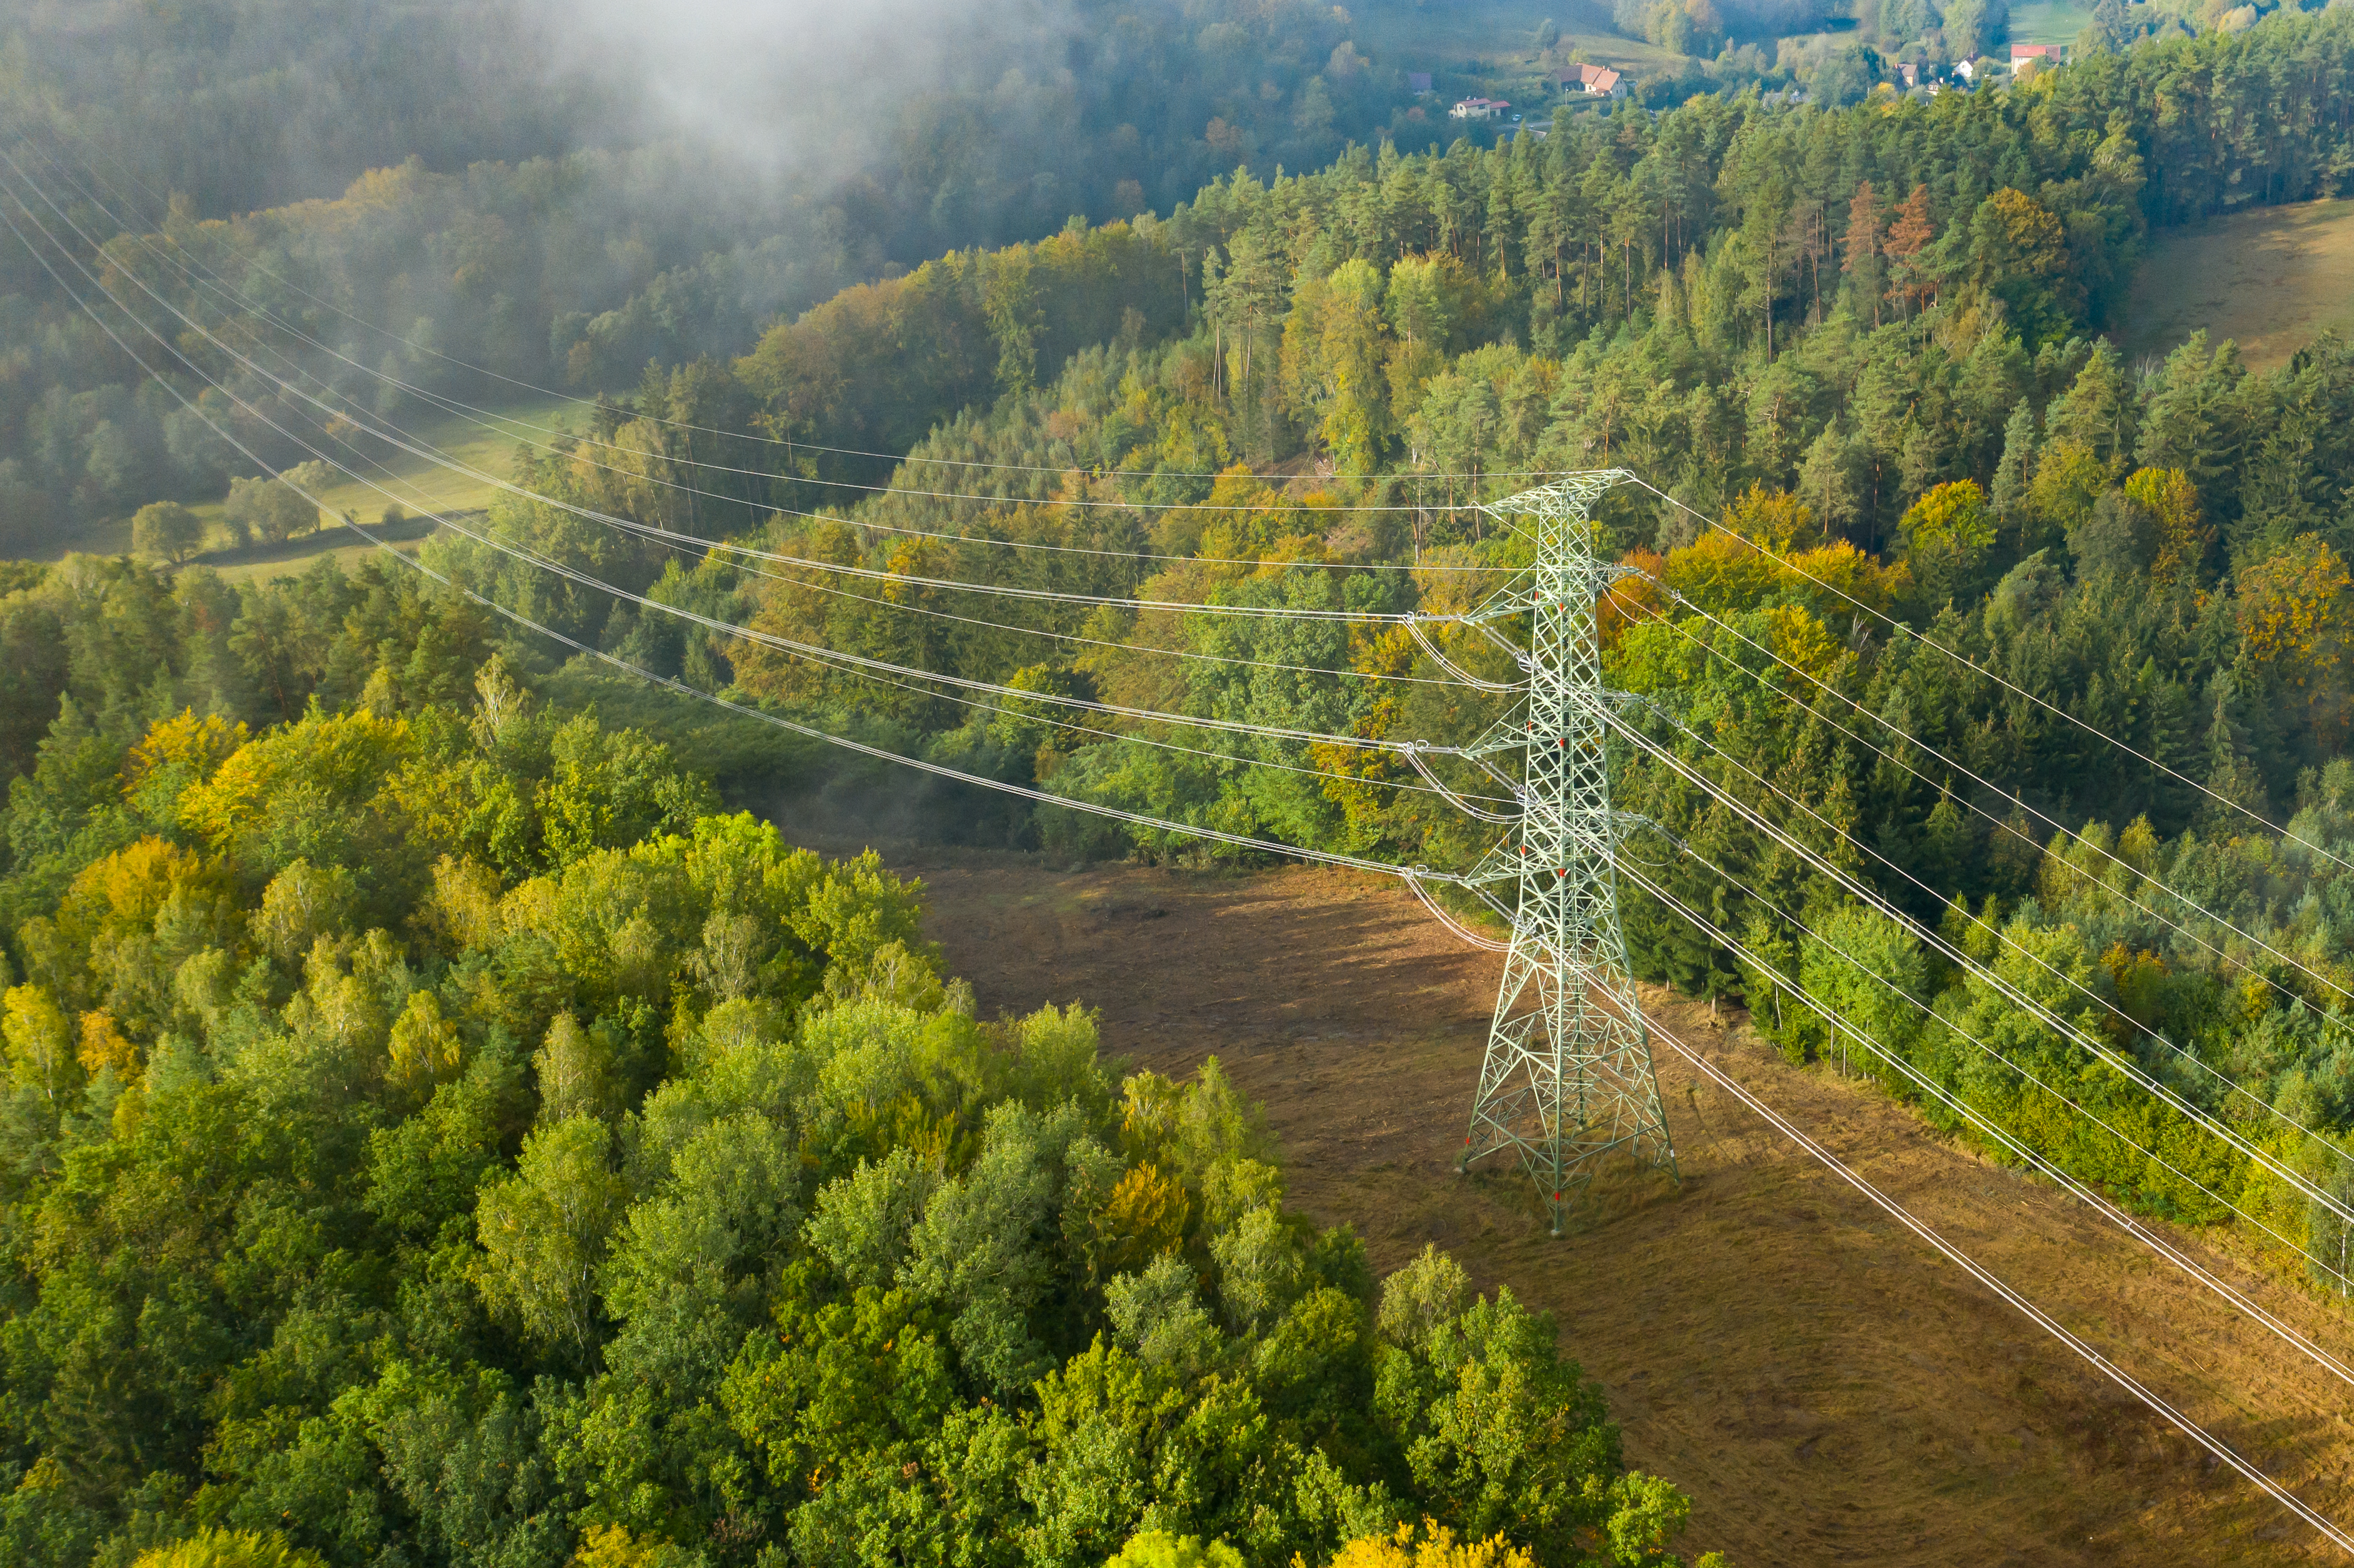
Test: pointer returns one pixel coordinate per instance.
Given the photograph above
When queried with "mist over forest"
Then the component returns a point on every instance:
(450, 1117)
(571, 192)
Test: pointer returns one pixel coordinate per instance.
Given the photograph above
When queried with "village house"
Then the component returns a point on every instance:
(1595, 81)
(2041, 54)
(1417, 82)
(1478, 109)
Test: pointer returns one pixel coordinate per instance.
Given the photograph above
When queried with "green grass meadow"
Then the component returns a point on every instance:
(2048, 22)
(486, 443)
(1494, 41)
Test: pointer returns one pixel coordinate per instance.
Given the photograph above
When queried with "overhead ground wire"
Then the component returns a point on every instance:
(812, 732)
(1985, 674)
(2083, 1192)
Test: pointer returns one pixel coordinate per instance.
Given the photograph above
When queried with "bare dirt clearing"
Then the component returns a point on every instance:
(1827, 1389)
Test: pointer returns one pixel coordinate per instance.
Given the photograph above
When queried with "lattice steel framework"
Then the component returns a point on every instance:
(1568, 1077)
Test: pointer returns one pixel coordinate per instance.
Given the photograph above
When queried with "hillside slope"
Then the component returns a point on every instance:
(1827, 1389)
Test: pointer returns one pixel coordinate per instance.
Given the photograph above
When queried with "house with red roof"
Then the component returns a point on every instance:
(1593, 80)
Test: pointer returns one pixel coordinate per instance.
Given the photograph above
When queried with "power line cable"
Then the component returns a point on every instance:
(2001, 1061)
(687, 544)
(650, 530)
(782, 644)
(2190, 1058)
(2082, 1192)
(811, 732)
(1985, 674)
(683, 543)
(2044, 1320)
(2118, 1060)
(2049, 821)
(791, 444)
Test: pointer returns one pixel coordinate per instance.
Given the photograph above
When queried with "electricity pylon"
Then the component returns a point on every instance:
(1568, 1077)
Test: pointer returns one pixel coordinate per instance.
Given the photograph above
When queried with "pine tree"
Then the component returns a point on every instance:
(1861, 251)
(2234, 788)
(2012, 474)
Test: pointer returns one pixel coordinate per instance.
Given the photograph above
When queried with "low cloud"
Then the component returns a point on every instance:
(799, 87)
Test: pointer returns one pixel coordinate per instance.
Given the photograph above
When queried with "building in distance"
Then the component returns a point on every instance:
(1593, 80)
(1478, 109)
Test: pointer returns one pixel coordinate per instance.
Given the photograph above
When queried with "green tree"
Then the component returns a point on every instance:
(268, 508)
(166, 531)
(544, 1232)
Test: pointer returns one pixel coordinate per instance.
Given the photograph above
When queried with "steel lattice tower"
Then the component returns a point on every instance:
(1568, 1075)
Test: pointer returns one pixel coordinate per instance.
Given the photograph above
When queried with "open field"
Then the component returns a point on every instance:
(1496, 40)
(293, 556)
(1825, 1387)
(2272, 278)
(2048, 22)
(419, 483)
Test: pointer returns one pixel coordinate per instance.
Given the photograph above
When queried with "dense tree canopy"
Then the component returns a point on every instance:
(1897, 406)
(437, 1127)
(435, 1132)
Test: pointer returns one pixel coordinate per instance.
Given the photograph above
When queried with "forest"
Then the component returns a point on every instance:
(497, 186)
(444, 1124)
(438, 1131)
(1868, 342)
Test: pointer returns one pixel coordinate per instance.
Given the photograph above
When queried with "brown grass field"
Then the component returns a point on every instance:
(2271, 279)
(1827, 1389)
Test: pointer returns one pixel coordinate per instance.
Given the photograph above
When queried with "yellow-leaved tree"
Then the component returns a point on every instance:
(2183, 535)
(228, 1549)
(1947, 535)
(1433, 1546)
(1160, 1548)
(2294, 612)
(40, 1040)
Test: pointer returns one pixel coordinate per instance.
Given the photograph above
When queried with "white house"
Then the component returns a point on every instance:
(1478, 109)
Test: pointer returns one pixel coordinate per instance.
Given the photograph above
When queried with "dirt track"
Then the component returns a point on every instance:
(1827, 1389)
